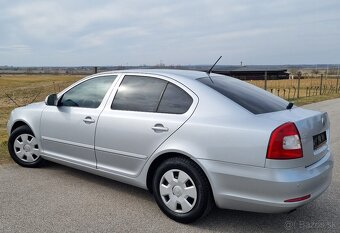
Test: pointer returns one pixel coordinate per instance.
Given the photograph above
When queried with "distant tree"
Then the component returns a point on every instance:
(299, 74)
(333, 71)
(293, 71)
(316, 72)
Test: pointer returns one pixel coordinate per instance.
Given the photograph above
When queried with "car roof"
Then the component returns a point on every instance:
(189, 74)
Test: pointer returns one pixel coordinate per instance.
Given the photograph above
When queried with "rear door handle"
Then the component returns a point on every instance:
(89, 120)
(159, 128)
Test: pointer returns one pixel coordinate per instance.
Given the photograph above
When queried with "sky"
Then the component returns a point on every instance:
(172, 32)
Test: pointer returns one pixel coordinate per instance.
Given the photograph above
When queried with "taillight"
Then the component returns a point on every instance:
(285, 143)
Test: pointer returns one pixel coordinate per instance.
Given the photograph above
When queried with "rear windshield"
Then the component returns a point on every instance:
(248, 96)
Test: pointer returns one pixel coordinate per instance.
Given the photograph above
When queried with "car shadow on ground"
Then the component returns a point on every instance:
(99, 180)
(320, 215)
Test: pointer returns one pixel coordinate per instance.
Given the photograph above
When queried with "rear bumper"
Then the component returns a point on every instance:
(264, 190)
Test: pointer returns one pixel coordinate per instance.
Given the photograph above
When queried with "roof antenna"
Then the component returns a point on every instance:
(211, 68)
(209, 71)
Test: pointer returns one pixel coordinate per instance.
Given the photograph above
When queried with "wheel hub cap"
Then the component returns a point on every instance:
(27, 148)
(177, 191)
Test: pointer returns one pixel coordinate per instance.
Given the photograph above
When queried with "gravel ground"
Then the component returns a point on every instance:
(60, 199)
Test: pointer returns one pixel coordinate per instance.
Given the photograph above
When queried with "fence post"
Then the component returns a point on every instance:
(298, 91)
(265, 80)
(321, 78)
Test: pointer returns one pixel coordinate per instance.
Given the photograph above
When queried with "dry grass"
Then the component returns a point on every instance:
(26, 88)
(314, 99)
(308, 87)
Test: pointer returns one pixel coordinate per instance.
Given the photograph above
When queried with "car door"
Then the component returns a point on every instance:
(68, 130)
(142, 113)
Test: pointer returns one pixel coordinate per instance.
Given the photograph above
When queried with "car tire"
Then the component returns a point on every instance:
(23, 147)
(181, 190)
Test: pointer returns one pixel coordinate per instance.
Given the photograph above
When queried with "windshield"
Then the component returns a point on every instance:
(252, 98)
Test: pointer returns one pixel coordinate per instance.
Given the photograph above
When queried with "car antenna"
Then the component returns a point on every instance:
(211, 68)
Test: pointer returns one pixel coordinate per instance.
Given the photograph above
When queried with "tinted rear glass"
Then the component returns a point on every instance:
(138, 93)
(250, 97)
(174, 100)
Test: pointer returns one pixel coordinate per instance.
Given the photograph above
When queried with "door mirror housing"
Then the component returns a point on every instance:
(51, 100)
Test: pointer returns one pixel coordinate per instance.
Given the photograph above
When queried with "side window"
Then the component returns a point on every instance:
(138, 93)
(174, 100)
(88, 94)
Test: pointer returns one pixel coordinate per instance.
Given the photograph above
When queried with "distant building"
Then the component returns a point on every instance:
(253, 73)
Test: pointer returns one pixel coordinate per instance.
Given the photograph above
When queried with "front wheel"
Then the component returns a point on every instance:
(23, 147)
(182, 191)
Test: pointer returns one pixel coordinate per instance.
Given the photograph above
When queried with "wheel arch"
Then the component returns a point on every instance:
(20, 123)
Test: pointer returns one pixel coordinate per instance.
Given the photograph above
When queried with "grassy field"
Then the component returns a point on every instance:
(24, 89)
(287, 89)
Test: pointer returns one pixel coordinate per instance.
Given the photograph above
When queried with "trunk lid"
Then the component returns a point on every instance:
(311, 126)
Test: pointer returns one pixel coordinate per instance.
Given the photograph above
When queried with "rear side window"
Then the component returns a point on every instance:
(147, 94)
(139, 93)
(250, 97)
(174, 100)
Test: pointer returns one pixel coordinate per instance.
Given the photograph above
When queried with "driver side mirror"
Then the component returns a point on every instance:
(51, 100)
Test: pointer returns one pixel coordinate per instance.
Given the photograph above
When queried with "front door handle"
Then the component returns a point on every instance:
(89, 120)
(159, 128)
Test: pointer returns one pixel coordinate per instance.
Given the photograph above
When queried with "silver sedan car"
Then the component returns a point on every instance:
(195, 140)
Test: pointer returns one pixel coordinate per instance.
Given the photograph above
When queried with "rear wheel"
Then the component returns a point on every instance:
(23, 147)
(182, 190)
